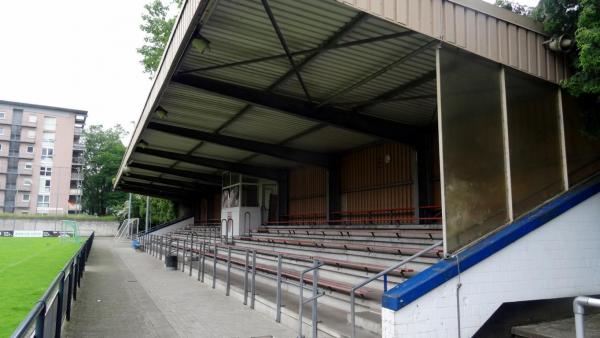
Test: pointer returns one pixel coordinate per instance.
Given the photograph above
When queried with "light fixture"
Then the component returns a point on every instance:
(142, 144)
(200, 43)
(161, 113)
(560, 44)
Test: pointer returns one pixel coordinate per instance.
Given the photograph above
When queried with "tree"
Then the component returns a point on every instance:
(158, 23)
(103, 153)
(578, 20)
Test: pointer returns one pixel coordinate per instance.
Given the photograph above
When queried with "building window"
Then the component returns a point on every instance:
(43, 201)
(31, 133)
(26, 197)
(28, 166)
(49, 123)
(30, 149)
(2, 115)
(32, 118)
(47, 153)
(1, 131)
(0, 146)
(45, 185)
(49, 136)
(45, 171)
(27, 182)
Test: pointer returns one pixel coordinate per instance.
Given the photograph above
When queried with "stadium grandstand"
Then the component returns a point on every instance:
(372, 168)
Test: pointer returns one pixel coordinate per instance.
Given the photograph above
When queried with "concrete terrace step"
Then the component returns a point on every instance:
(378, 248)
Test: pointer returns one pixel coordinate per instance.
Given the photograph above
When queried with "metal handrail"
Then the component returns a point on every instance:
(301, 301)
(579, 304)
(247, 224)
(383, 273)
(72, 271)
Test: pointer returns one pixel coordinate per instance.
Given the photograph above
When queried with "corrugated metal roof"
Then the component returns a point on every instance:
(347, 78)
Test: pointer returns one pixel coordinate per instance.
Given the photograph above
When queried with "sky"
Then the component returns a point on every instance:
(78, 54)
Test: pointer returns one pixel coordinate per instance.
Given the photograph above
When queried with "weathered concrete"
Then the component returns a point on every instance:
(101, 228)
(563, 328)
(130, 294)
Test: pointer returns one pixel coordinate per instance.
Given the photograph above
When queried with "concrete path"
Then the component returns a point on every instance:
(130, 294)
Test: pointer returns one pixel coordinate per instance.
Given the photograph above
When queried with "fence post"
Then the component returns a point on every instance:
(40, 321)
(59, 304)
(69, 291)
(74, 282)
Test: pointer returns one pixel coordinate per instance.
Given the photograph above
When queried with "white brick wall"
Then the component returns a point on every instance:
(559, 259)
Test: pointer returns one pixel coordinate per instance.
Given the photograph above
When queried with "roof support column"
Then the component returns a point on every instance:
(334, 191)
(283, 196)
(424, 174)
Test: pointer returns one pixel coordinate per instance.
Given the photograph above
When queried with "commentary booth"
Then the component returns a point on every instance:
(441, 114)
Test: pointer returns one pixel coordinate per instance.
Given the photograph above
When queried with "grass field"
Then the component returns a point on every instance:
(27, 267)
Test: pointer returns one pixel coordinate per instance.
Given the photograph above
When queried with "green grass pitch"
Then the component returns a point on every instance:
(27, 267)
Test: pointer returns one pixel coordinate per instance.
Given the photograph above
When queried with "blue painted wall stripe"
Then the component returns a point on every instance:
(407, 292)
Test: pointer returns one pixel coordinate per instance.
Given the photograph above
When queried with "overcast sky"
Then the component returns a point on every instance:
(77, 54)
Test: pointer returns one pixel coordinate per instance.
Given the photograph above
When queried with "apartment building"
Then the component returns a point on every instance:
(41, 158)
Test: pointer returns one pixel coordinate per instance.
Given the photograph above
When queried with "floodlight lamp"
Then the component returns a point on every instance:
(142, 144)
(200, 44)
(161, 113)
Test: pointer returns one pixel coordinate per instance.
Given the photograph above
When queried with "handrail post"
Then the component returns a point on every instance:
(246, 277)
(382, 273)
(183, 258)
(253, 294)
(214, 281)
(316, 265)
(315, 283)
(278, 295)
(228, 271)
(203, 261)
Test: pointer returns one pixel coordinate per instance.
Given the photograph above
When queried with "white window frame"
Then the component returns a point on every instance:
(28, 198)
(32, 149)
(28, 166)
(47, 153)
(32, 118)
(2, 115)
(27, 182)
(1, 130)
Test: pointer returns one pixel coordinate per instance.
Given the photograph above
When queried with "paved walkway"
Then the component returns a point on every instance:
(129, 294)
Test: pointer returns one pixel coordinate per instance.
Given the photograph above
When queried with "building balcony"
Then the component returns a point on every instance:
(74, 207)
(78, 146)
(77, 160)
(76, 177)
(25, 155)
(78, 131)
(75, 191)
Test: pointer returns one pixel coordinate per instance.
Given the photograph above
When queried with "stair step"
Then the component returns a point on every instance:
(559, 328)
